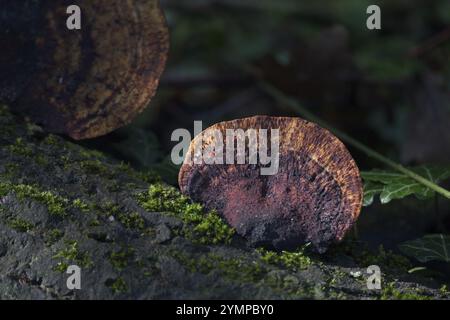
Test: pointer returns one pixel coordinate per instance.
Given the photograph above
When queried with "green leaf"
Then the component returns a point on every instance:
(371, 189)
(432, 247)
(417, 269)
(392, 185)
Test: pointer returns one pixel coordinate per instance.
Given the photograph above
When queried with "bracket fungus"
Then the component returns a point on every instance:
(315, 197)
(86, 82)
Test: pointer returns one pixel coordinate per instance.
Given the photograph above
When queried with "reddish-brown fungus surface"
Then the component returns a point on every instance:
(87, 82)
(315, 197)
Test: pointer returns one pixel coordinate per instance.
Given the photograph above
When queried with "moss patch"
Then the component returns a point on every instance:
(21, 148)
(20, 225)
(56, 205)
(80, 205)
(95, 167)
(53, 235)
(230, 268)
(119, 260)
(131, 220)
(246, 271)
(364, 257)
(204, 227)
(391, 292)
(11, 170)
(292, 260)
(118, 285)
(71, 254)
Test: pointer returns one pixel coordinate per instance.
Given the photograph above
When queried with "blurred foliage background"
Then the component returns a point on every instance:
(388, 88)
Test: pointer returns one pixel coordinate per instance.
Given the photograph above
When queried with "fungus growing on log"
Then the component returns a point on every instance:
(86, 82)
(315, 197)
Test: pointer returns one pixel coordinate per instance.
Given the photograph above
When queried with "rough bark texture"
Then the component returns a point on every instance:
(316, 196)
(61, 204)
(87, 82)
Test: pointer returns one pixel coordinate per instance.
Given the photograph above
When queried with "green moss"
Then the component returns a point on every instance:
(72, 254)
(4, 111)
(94, 223)
(95, 167)
(52, 236)
(82, 206)
(41, 160)
(148, 266)
(119, 260)
(66, 162)
(89, 153)
(20, 225)
(443, 290)
(119, 285)
(4, 189)
(204, 227)
(20, 148)
(51, 140)
(336, 277)
(389, 292)
(293, 260)
(61, 267)
(163, 198)
(7, 126)
(11, 170)
(92, 162)
(289, 284)
(149, 176)
(208, 228)
(108, 209)
(364, 257)
(387, 259)
(113, 186)
(131, 220)
(56, 205)
(149, 232)
(243, 271)
(230, 268)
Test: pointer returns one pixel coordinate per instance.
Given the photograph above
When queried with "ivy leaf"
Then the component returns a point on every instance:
(428, 248)
(392, 185)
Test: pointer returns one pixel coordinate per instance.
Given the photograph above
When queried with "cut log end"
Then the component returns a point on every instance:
(315, 197)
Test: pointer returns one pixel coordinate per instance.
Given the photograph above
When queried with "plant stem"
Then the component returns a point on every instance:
(296, 106)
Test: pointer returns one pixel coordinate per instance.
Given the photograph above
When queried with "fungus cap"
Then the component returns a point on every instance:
(87, 82)
(315, 197)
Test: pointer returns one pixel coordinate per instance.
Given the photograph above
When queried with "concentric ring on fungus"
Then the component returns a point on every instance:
(315, 197)
(87, 82)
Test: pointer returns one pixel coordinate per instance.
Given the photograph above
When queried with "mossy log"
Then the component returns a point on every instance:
(136, 238)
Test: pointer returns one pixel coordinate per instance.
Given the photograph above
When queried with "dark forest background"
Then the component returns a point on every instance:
(388, 88)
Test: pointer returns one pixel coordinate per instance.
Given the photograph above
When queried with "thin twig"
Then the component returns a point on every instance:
(282, 98)
(433, 42)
